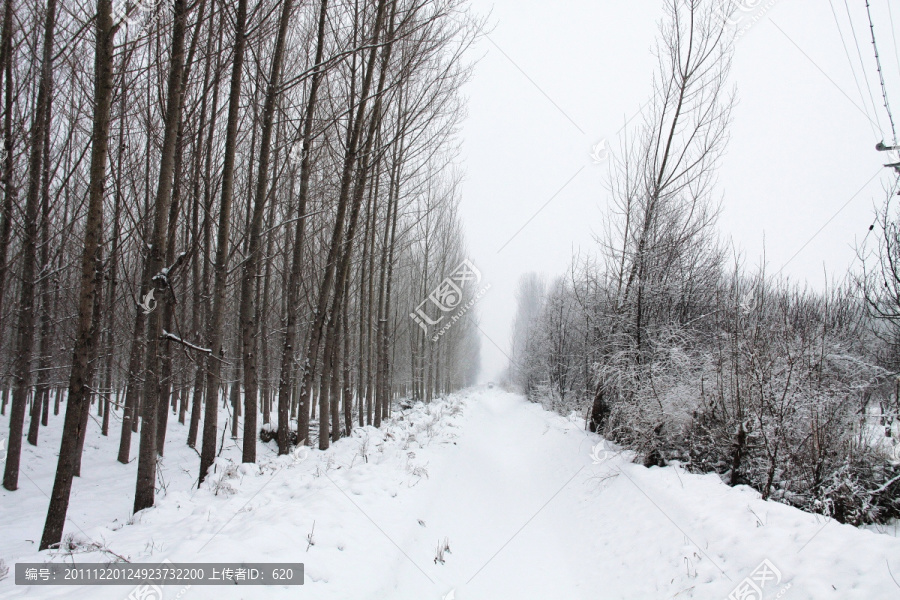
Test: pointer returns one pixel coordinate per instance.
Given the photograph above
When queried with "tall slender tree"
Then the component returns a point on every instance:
(80, 375)
(220, 274)
(26, 320)
(160, 275)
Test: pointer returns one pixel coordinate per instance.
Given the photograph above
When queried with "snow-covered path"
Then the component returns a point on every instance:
(529, 509)
(501, 500)
(534, 512)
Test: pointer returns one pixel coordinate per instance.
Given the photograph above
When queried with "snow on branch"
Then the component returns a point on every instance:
(174, 338)
(163, 276)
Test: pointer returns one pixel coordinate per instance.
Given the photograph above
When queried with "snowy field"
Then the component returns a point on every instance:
(529, 504)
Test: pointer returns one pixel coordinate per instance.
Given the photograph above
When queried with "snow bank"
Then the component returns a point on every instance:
(479, 495)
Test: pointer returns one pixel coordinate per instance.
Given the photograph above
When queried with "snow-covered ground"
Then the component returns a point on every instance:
(531, 506)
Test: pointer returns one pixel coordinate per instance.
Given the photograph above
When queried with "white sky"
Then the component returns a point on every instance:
(800, 148)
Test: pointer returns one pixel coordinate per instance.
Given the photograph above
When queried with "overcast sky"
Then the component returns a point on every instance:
(800, 178)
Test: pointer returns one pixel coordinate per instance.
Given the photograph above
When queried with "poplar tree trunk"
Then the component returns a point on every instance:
(317, 329)
(113, 277)
(25, 326)
(249, 317)
(285, 378)
(92, 356)
(171, 238)
(347, 393)
(214, 363)
(204, 362)
(39, 405)
(159, 281)
(9, 192)
(80, 375)
(384, 397)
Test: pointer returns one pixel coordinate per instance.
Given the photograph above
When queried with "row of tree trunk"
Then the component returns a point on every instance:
(249, 222)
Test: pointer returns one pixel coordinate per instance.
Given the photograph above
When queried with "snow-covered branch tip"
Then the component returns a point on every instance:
(174, 338)
(163, 276)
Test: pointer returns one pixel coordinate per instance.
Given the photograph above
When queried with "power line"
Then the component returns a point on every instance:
(894, 32)
(863, 65)
(862, 98)
(828, 77)
(887, 105)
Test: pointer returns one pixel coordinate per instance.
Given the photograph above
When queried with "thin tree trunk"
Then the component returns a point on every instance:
(348, 383)
(136, 355)
(145, 487)
(210, 424)
(25, 328)
(113, 276)
(9, 191)
(249, 317)
(365, 312)
(171, 238)
(384, 402)
(92, 358)
(39, 407)
(328, 281)
(285, 378)
(381, 325)
(80, 374)
(265, 384)
(203, 362)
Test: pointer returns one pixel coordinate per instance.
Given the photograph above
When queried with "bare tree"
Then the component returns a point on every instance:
(81, 370)
(220, 275)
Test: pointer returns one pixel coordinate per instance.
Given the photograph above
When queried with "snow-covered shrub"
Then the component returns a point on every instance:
(268, 433)
(769, 386)
(857, 493)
